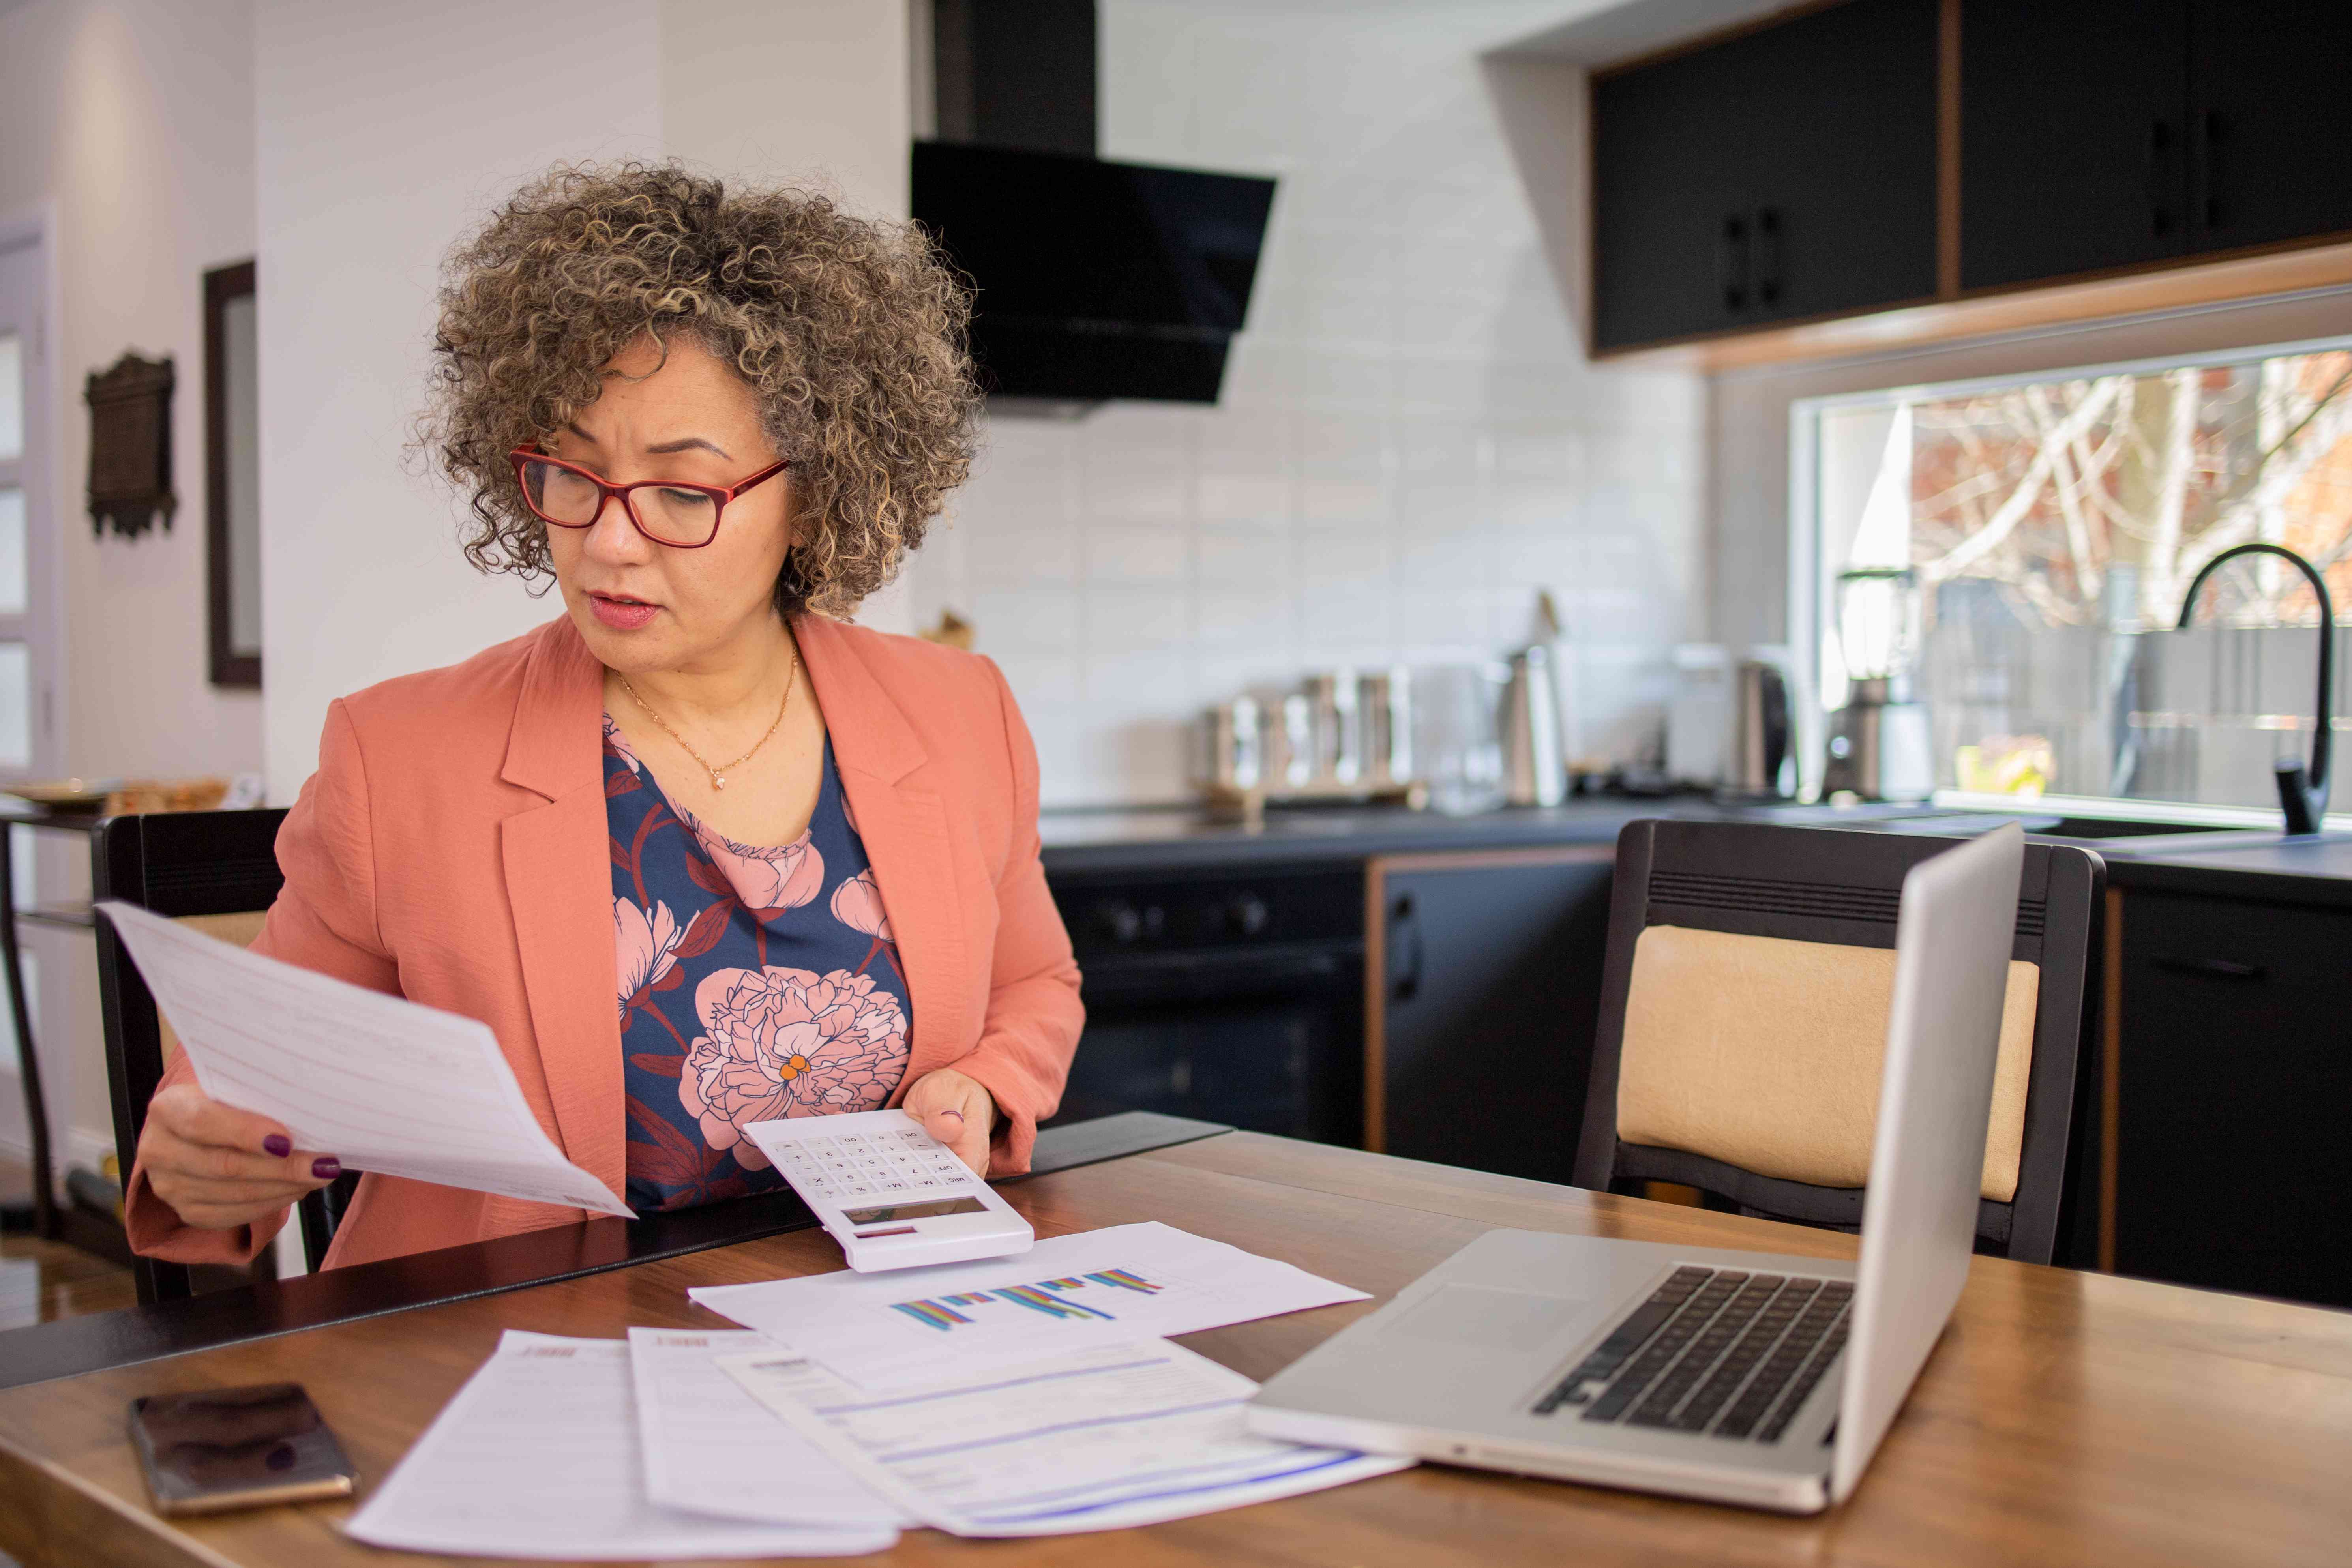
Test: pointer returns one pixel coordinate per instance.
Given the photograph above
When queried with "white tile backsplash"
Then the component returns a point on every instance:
(1410, 443)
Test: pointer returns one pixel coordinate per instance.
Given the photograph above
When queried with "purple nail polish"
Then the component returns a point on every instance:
(277, 1145)
(326, 1168)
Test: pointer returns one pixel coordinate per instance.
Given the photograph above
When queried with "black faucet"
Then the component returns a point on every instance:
(2302, 796)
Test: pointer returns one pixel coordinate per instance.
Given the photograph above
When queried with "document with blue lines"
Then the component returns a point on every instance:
(1104, 1437)
(1068, 1292)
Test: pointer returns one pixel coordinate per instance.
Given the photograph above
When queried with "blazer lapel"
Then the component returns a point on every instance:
(904, 829)
(559, 885)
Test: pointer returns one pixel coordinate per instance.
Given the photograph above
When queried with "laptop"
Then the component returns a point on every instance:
(1737, 1377)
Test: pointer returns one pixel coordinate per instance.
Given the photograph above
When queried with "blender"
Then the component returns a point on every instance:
(1879, 744)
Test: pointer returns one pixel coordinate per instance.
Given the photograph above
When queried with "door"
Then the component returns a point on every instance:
(2270, 122)
(2073, 137)
(1786, 173)
(1482, 981)
(2233, 1067)
(24, 521)
(26, 746)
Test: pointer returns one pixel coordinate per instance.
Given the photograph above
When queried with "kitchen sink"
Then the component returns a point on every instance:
(2129, 827)
(2118, 835)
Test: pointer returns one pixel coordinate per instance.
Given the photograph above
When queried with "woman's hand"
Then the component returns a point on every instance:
(219, 1167)
(957, 1112)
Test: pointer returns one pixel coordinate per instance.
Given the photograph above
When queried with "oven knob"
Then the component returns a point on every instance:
(1116, 921)
(1246, 915)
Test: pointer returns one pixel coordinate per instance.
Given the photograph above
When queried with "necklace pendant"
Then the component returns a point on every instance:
(718, 781)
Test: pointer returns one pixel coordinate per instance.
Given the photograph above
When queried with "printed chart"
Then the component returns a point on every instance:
(1051, 1297)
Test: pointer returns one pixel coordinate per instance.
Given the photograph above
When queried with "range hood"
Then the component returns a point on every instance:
(1095, 279)
(1092, 279)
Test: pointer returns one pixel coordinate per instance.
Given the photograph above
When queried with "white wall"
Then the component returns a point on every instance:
(1410, 443)
(807, 90)
(135, 117)
(810, 92)
(385, 131)
(131, 123)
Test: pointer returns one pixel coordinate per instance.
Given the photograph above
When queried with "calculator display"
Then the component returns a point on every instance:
(915, 1211)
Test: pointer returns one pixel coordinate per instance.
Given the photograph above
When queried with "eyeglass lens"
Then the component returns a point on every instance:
(672, 515)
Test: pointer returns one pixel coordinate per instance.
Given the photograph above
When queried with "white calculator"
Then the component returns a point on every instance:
(892, 1194)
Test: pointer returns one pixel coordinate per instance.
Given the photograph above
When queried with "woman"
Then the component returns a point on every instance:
(700, 853)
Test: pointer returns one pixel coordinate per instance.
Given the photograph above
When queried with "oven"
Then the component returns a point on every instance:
(1225, 997)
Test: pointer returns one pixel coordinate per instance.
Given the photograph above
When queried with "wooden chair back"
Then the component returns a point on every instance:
(1754, 1076)
(217, 870)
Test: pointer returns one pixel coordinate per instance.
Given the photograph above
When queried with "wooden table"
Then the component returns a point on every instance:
(2066, 1418)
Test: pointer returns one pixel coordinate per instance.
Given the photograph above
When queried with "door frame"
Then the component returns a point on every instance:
(35, 226)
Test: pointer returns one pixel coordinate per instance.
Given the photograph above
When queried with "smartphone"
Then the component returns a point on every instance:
(221, 1449)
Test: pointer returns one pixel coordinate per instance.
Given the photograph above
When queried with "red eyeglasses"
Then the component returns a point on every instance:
(668, 512)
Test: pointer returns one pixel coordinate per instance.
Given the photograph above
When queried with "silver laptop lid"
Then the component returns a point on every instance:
(1952, 942)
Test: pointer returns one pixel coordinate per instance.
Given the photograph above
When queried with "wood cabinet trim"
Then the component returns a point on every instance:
(1376, 934)
(2289, 266)
(2111, 1034)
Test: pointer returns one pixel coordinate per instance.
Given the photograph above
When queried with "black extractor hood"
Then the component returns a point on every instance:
(1095, 279)
(1092, 279)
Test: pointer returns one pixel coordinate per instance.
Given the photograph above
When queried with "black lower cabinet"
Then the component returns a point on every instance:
(2233, 1164)
(1481, 1014)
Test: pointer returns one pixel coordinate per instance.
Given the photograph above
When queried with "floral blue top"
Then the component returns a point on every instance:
(754, 984)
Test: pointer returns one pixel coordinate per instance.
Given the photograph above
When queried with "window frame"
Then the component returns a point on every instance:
(1807, 593)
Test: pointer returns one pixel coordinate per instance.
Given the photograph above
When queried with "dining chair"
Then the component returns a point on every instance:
(1749, 979)
(215, 871)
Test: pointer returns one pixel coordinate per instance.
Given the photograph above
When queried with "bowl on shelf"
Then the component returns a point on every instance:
(65, 794)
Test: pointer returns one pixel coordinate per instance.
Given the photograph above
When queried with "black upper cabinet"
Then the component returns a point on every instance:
(1782, 174)
(2109, 134)
(2269, 122)
(2073, 137)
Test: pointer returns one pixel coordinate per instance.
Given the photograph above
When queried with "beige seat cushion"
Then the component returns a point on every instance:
(1765, 1054)
(240, 927)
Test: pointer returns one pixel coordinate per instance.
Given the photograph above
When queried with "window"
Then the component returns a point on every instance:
(2051, 527)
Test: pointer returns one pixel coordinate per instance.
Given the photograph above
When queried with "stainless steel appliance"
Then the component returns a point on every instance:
(1880, 747)
(1385, 703)
(1763, 750)
(1235, 736)
(1535, 769)
(1338, 727)
(1229, 997)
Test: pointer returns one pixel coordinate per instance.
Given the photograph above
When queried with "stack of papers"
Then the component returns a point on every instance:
(537, 1456)
(1102, 1438)
(1029, 1396)
(711, 1447)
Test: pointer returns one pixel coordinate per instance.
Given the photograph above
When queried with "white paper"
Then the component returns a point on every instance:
(537, 1457)
(1098, 1287)
(1102, 1438)
(711, 1447)
(380, 1083)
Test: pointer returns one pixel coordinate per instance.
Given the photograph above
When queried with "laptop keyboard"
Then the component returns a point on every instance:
(1714, 1350)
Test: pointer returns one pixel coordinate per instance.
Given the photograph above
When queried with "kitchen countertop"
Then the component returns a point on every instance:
(1177, 839)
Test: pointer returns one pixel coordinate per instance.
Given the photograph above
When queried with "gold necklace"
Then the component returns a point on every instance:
(718, 773)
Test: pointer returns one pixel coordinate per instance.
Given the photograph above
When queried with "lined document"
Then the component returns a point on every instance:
(537, 1457)
(380, 1083)
(1101, 1438)
(710, 1446)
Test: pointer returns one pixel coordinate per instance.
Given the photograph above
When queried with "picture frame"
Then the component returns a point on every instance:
(231, 477)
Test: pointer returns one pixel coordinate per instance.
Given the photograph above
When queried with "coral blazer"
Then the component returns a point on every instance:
(452, 849)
